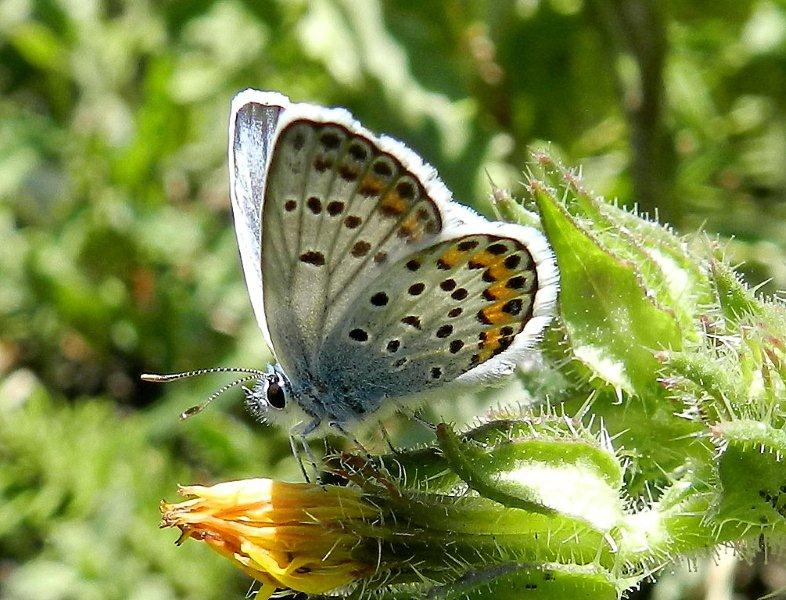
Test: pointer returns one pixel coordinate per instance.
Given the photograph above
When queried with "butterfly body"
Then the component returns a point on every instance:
(373, 288)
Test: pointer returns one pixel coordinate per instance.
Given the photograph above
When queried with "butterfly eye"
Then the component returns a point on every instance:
(275, 396)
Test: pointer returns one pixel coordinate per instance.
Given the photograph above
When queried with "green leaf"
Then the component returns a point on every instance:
(539, 474)
(511, 210)
(613, 324)
(669, 271)
(514, 581)
(735, 299)
(714, 383)
(753, 479)
(468, 461)
(752, 436)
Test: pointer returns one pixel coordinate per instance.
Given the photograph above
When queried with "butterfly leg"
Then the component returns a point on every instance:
(299, 434)
(341, 429)
(310, 455)
(386, 437)
(373, 468)
(296, 453)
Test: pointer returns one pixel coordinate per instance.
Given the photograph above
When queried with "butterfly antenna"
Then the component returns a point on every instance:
(251, 374)
(166, 378)
(190, 412)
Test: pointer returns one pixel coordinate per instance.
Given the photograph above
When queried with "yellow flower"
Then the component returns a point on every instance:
(285, 535)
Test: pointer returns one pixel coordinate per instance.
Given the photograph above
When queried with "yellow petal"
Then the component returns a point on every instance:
(286, 535)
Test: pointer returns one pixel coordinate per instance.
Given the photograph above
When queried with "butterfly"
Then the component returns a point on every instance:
(373, 289)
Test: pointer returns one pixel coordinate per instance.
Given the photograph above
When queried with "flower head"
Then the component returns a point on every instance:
(285, 535)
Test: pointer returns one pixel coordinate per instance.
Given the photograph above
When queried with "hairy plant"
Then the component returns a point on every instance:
(663, 440)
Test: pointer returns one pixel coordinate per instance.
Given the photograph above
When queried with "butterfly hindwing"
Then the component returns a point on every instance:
(434, 316)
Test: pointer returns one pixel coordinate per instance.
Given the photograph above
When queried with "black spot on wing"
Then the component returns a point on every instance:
(335, 208)
(314, 205)
(412, 321)
(379, 299)
(416, 289)
(359, 335)
(313, 258)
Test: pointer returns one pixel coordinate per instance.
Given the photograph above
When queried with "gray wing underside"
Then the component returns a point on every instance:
(329, 221)
(430, 318)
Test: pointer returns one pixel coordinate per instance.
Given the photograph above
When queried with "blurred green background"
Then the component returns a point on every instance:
(117, 254)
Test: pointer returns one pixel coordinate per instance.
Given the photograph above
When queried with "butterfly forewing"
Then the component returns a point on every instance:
(338, 211)
(431, 317)
(254, 121)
